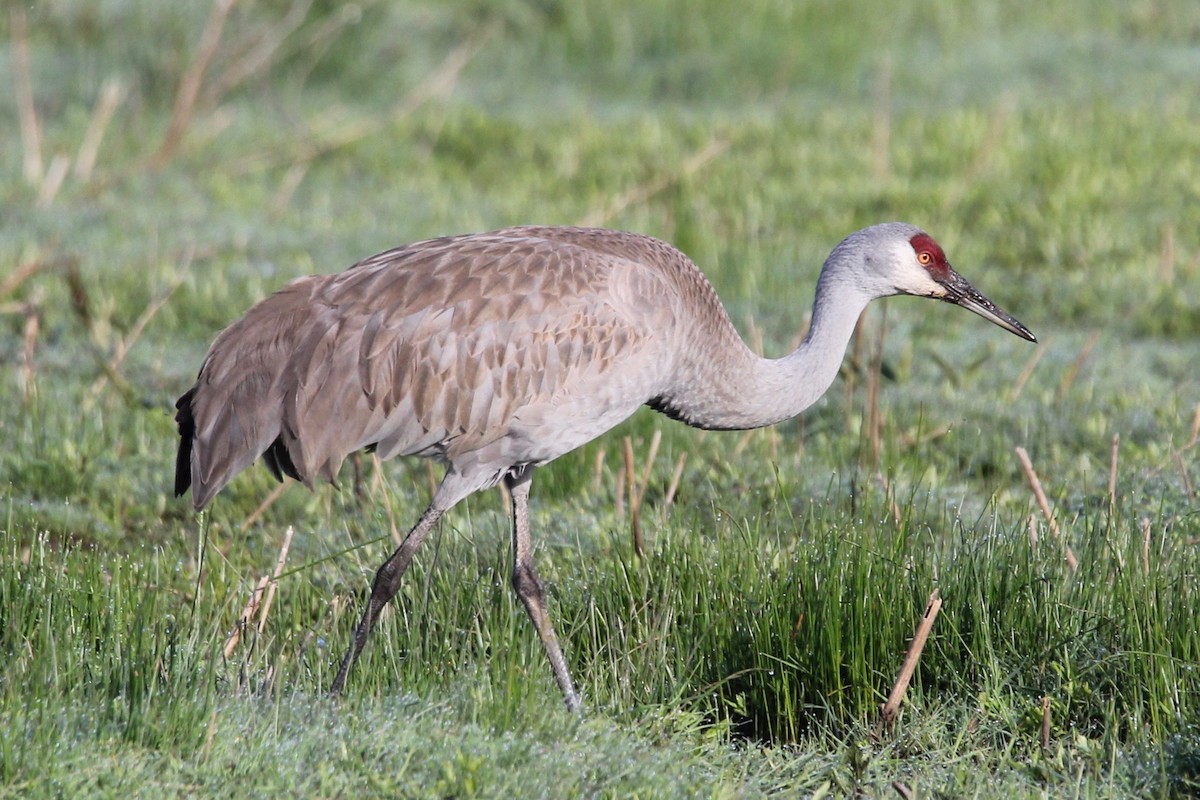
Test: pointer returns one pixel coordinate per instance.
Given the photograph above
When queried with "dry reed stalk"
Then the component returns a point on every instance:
(598, 471)
(644, 191)
(280, 563)
(676, 477)
(651, 454)
(1027, 371)
(244, 618)
(1036, 485)
(431, 478)
(1046, 722)
(891, 709)
(190, 83)
(1192, 440)
(1033, 530)
(1112, 471)
(437, 84)
(60, 165)
(903, 790)
(267, 502)
(893, 506)
(209, 737)
(111, 94)
(287, 188)
(634, 500)
(258, 54)
(125, 343)
(1145, 526)
(23, 272)
(1073, 371)
(31, 129)
(754, 336)
(506, 500)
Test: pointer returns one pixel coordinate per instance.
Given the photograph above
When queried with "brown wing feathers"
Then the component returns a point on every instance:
(425, 349)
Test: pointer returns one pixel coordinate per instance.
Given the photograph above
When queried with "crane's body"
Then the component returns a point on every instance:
(498, 352)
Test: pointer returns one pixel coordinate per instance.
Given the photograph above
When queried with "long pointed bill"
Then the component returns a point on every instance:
(960, 291)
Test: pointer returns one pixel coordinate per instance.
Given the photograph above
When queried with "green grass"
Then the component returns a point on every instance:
(1051, 148)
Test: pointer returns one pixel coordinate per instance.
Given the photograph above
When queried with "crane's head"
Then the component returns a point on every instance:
(897, 258)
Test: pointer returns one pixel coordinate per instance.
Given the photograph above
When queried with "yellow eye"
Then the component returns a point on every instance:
(924, 258)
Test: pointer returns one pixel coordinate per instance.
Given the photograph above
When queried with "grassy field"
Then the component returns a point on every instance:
(166, 166)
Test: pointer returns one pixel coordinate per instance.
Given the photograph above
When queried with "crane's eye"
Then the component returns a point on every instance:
(924, 258)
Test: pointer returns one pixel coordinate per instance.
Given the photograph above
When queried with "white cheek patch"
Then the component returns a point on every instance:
(924, 284)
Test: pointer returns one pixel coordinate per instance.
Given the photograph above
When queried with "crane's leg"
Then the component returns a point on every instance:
(529, 587)
(387, 583)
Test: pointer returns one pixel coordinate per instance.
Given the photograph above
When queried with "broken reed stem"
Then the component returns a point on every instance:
(1046, 722)
(280, 563)
(631, 481)
(1112, 472)
(598, 471)
(1027, 371)
(1145, 526)
(1044, 505)
(111, 94)
(31, 131)
(893, 506)
(23, 272)
(269, 501)
(431, 478)
(261, 598)
(436, 85)
(891, 709)
(53, 181)
(260, 53)
(651, 454)
(619, 496)
(1073, 371)
(287, 188)
(244, 618)
(189, 84)
(125, 343)
(676, 477)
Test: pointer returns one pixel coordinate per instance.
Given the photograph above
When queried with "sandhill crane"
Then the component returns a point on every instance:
(495, 353)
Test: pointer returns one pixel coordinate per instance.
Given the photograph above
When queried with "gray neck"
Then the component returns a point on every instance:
(748, 391)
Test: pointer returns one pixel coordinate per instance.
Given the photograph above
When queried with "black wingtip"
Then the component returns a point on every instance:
(187, 432)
